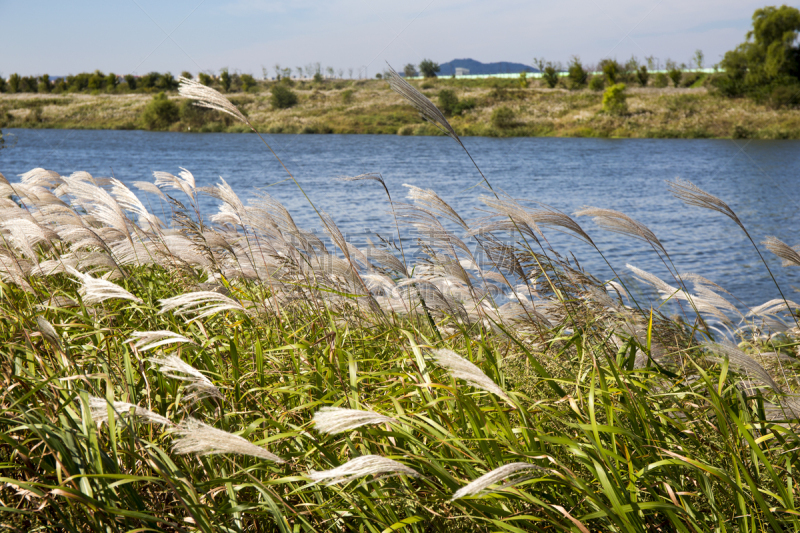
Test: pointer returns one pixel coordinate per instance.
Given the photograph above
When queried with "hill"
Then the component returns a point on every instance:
(476, 67)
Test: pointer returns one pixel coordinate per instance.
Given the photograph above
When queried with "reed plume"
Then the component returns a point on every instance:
(199, 438)
(366, 465)
(495, 476)
(333, 420)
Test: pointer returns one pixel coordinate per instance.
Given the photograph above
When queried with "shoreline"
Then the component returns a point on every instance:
(370, 107)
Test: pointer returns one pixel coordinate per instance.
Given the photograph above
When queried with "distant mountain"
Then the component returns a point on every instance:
(476, 67)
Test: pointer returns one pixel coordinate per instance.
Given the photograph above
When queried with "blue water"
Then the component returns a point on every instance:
(758, 179)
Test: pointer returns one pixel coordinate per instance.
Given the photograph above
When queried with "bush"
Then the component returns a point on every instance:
(194, 116)
(248, 82)
(160, 113)
(577, 74)
(204, 78)
(347, 96)
(784, 96)
(642, 76)
(661, 80)
(690, 78)
(186, 74)
(111, 81)
(448, 102)
(550, 76)
(44, 84)
(523, 80)
(149, 80)
(167, 82)
(3, 85)
(503, 118)
(428, 68)
(614, 100)
(610, 70)
(282, 97)
(597, 83)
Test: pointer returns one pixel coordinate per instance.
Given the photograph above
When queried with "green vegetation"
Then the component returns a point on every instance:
(236, 373)
(768, 60)
(428, 68)
(282, 97)
(160, 113)
(614, 100)
(576, 74)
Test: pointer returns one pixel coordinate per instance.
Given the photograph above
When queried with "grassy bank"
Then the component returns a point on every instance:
(364, 106)
(233, 372)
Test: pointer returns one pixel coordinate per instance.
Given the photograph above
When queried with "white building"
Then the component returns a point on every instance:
(462, 71)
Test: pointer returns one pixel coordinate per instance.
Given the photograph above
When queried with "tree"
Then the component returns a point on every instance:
(3, 85)
(13, 83)
(186, 74)
(428, 68)
(149, 80)
(44, 83)
(642, 76)
(577, 74)
(225, 80)
(130, 79)
(111, 81)
(674, 72)
(409, 71)
(550, 75)
(770, 56)
(248, 82)
(698, 58)
(204, 78)
(610, 69)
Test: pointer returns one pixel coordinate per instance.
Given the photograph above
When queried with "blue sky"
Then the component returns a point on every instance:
(139, 36)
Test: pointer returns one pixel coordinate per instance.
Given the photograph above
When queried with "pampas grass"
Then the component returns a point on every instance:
(199, 438)
(333, 420)
(366, 465)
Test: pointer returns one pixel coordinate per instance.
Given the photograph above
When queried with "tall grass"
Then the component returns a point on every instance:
(235, 372)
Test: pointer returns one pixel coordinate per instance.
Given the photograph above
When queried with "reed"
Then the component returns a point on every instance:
(235, 372)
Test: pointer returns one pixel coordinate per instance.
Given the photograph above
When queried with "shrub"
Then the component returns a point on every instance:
(428, 68)
(97, 81)
(160, 113)
(186, 74)
(577, 74)
(3, 85)
(111, 81)
(204, 78)
(282, 97)
(448, 102)
(597, 83)
(642, 76)
(149, 80)
(503, 118)
(347, 96)
(675, 75)
(661, 80)
(523, 80)
(248, 82)
(167, 82)
(614, 100)
(195, 116)
(427, 85)
(784, 96)
(550, 75)
(28, 84)
(319, 79)
(13, 83)
(690, 78)
(610, 70)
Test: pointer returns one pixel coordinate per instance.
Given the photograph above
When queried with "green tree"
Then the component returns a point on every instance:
(577, 74)
(674, 72)
(503, 118)
(3, 85)
(550, 75)
(225, 80)
(698, 58)
(44, 83)
(111, 81)
(428, 68)
(611, 70)
(97, 81)
(614, 100)
(13, 83)
(167, 82)
(282, 97)
(130, 79)
(149, 80)
(597, 83)
(769, 57)
(186, 74)
(642, 76)
(160, 113)
(409, 71)
(204, 78)
(28, 84)
(248, 82)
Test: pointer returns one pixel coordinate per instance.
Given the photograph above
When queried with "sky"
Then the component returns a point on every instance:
(140, 36)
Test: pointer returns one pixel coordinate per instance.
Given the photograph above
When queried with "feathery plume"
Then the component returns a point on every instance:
(362, 466)
(741, 361)
(147, 340)
(205, 303)
(96, 290)
(427, 110)
(460, 368)
(207, 97)
(333, 420)
(98, 407)
(788, 254)
(201, 439)
(617, 222)
(48, 331)
(693, 195)
(199, 386)
(496, 475)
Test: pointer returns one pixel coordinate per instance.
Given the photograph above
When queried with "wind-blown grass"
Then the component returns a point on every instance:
(244, 374)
